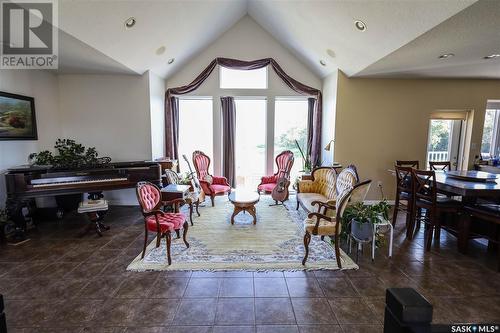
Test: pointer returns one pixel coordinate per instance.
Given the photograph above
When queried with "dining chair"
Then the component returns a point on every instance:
(155, 220)
(404, 191)
(409, 164)
(442, 166)
(425, 198)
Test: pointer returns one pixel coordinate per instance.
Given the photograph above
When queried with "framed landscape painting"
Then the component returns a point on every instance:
(17, 117)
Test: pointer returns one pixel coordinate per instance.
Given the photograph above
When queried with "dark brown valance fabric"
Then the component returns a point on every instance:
(228, 108)
(295, 85)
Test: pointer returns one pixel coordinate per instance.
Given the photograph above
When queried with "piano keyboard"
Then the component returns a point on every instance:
(76, 182)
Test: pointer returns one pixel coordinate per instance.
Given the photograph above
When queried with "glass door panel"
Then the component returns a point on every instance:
(444, 141)
(195, 129)
(250, 142)
(290, 124)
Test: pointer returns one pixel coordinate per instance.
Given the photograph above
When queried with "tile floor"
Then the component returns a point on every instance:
(60, 283)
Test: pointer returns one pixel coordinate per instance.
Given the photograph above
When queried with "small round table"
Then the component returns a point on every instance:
(244, 201)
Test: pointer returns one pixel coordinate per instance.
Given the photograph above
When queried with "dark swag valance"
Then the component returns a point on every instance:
(315, 109)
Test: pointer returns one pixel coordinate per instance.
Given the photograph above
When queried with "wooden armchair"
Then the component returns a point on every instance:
(211, 185)
(284, 163)
(155, 220)
(318, 224)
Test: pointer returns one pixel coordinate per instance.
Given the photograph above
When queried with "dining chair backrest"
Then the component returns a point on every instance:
(411, 164)
(424, 185)
(445, 166)
(403, 179)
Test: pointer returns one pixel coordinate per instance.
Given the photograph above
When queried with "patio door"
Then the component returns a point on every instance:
(250, 141)
(446, 141)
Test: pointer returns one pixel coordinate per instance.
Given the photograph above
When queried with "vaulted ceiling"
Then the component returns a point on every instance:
(402, 39)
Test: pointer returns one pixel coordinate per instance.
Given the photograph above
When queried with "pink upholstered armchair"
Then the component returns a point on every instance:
(284, 162)
(211, 185)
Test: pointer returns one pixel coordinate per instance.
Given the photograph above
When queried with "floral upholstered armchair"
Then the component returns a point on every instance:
(211, 185)
(284, 162)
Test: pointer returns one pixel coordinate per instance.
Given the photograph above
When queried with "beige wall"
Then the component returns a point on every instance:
(41, 85)
(381, 120)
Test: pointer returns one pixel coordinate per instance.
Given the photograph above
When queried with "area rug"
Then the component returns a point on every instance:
(274, 243)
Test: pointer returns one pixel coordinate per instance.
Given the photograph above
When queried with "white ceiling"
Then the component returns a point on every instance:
(183, 27)
(306, 28)
(471, 35)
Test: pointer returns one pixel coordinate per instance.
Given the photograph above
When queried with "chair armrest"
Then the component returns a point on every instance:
(305, 186)
(205, 186)
(268, 179)
(219, 180)
(153, 212)
(318, 217)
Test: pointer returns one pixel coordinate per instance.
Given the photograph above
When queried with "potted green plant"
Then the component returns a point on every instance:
(362, 217)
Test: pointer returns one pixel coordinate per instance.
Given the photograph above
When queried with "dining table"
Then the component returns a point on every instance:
(471, 186)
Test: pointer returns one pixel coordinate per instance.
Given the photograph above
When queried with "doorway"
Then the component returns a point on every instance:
(446, 141)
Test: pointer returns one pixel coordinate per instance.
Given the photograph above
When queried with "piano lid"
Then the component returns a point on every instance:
(48, 168)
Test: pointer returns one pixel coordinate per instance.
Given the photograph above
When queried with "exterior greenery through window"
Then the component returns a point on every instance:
(440, 135)
(490, 141)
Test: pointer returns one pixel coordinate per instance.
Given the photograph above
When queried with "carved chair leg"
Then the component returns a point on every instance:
(322, 238)
(297, 208)
(191, 213)
(178, 233)
(307, 240)
(158, 239)
(169, 241)
(212, 198)
(184, 234)
(337, 251)
(197, 206)
(145, 242)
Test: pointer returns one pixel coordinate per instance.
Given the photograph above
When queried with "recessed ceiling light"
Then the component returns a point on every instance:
(360, 25)
(446, 56)
(492, 56)
(160, 50)
(322, 62)
(170, 61)
(330, 53)
(130, 22)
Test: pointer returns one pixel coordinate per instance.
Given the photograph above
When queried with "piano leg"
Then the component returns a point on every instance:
(15, 212)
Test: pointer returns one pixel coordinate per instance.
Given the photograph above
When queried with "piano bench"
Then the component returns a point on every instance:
(95, 211)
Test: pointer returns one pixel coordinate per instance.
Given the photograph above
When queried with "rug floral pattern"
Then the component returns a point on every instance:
(274, 243)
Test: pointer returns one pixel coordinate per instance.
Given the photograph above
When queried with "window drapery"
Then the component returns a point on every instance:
(170, 118)
(228, 140)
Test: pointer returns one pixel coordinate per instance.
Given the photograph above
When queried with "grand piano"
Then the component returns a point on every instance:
(27, 182)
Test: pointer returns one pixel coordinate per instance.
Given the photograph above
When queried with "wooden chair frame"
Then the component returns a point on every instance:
(156, 211)
(339, 207)
(442, 166)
